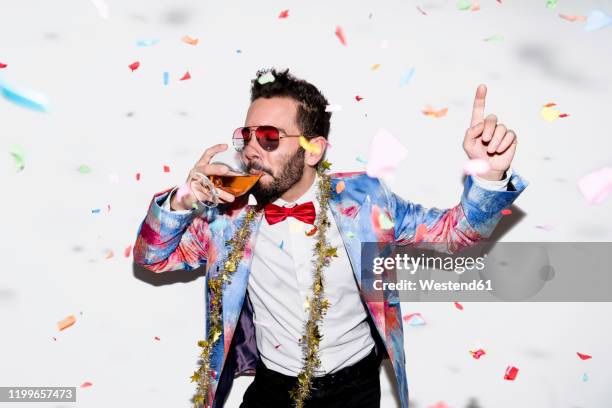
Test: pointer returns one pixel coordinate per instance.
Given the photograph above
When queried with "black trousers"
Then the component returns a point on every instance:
(356, 386)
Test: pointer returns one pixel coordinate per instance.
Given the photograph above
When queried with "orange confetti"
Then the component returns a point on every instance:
(573, 18)
(284, 14)
(429, 111)
(340, 35)
(134, 66)
(137, 176)
(127, 251)
(185, 77)
(551, 104)
(109, 254)
(506, 211)
(458, 305)
(66, 323)
(86, 384)
(340, 187)
(375, 67)
(312, 231)
(188, 40)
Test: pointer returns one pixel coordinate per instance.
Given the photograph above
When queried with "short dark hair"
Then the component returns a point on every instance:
(312, 118)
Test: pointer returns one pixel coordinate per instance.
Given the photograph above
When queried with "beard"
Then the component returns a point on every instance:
(289, 174)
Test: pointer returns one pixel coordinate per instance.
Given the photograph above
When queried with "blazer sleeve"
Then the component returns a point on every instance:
(470, 221)
(169, 240)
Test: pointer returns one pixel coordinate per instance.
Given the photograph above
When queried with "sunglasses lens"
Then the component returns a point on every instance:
(241, 138)
(268, 137)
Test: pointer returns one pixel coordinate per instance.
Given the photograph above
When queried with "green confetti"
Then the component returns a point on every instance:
(464, 5)
(18, 156)
(84, 169)
(495, 38)
(551, 3)
(350, 234)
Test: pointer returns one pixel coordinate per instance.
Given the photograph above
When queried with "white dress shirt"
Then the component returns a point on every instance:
(280, 281)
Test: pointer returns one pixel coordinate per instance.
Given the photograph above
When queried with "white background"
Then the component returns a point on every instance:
(120, 122)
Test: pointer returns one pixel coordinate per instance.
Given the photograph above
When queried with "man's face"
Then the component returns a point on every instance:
(283, 167)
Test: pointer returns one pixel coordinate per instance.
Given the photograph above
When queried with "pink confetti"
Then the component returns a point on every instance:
(284, 14)
(3, 65)
(340, 35)
(137, 176)
(583, 356)
(506, 211)
(358, 98)
(596, 186)
(127, 251)
(166, 169)
(157, 338)
(476, 167)
(134, 66)
(477, 353)
(458, 305)
(86, 384)
(185, 77)
(511, 373)
(439, 405)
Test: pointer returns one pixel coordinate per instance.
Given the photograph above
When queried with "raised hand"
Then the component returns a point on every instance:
(488, 140)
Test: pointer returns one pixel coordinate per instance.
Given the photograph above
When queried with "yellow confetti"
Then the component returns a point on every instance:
(309, 147)
(340, 187)
(375, 67)
(549, 113)
(109, 254)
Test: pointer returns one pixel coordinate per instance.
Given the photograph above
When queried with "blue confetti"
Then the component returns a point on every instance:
(407, 76)
(361, 160)
(597, 20)
(22, 97)
(166, 76)
(238, 51)
(95, 211)
(282, 244)
(146, 43)
(585, 377)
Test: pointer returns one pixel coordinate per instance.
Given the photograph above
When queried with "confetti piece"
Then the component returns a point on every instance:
(54, 339)
(573, 18)
(284, 14)
(18, 154)
(137, 176)
(358, 98)
(421, 230)
(146, 43)
(157, 338)
(185, 77)
(340, 35)
(109, 255)
(86, 384)
(464, 5)
(421, 10)
(386, 153)
(375, 67)
(596, 186)
(66, 323)
(108, 207)
(476, 167)
(475, 6)
(2, 66)
(495, 38)
(312, 231)
(281, 245)
(266, 78)
(429, 111)
(458, 305)
(545, 227)
(597, 20)
(188, 40)
(511, 373)
(24, 97)
(548, 113)
(506, 211)
(134, 66)
(166, 169)
(166, 77)
(361, 160)
(95, 211)
(551, 3)
(585, 377)
(238, 51)
(407, 77)
(584, 356)
(340, 187)
(564, 115)
(101, 7)
(127, 251)
(414, 319)
(309, 147)
(84, 169)
(333, 108)
(477, 353)
(350, 234)
(277, 346)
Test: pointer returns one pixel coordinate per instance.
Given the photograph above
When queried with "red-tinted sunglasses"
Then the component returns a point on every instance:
(267, 136)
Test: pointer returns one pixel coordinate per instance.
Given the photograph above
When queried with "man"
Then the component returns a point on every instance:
(263, 307)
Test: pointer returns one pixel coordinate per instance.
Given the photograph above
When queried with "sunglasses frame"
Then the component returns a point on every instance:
(281, 135)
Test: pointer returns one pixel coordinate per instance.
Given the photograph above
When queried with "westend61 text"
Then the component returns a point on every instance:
(475, 285)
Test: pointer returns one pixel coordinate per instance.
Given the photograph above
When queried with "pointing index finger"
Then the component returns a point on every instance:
(479, 105)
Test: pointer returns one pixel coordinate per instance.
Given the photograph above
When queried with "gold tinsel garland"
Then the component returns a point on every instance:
(317, 305)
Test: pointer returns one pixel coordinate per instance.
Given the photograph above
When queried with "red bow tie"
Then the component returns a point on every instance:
(303, 212)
